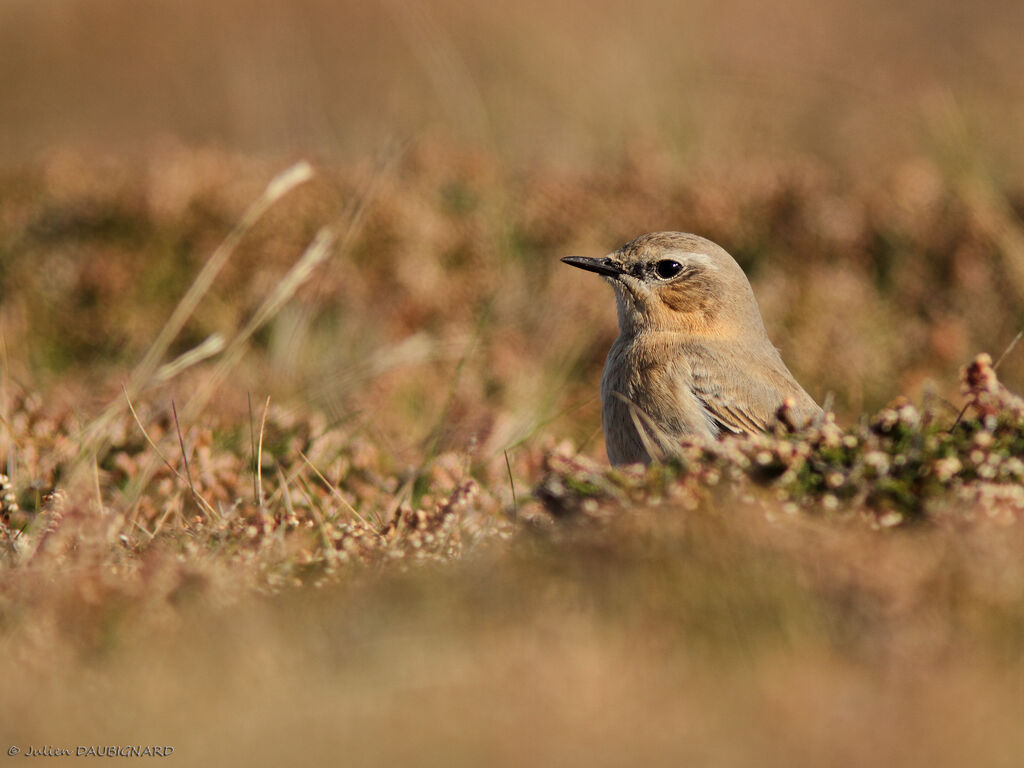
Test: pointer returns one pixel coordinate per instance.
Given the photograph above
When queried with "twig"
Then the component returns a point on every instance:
(1009, 349)
(184, 458)
(259, 456)
(286, 495)
(337, 493)
(96, 482)
(512, 483)
(287, 480)
(330, 552)
(252, 449)
(149, 440)
(160, 523)
(213, 344)
(540, 424)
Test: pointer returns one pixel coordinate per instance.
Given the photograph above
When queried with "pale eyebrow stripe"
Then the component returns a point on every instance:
(700, 258)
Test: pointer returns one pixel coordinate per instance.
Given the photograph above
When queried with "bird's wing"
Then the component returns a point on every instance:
(741, 394)
(731, 416)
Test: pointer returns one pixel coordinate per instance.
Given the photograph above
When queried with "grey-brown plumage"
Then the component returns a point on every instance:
(692, 358)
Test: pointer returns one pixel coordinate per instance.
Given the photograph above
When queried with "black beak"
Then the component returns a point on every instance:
(607, 266)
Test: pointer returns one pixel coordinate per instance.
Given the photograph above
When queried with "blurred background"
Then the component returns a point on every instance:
(862, 161)
(859, 159)
(856, 84)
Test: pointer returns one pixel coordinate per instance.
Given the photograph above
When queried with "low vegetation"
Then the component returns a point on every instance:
(329, 480)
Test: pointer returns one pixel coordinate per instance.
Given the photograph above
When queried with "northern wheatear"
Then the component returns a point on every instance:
(692, 358)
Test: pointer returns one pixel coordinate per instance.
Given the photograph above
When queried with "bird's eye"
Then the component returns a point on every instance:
(667, 268)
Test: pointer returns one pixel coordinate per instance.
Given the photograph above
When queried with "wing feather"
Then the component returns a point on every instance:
(731, 416)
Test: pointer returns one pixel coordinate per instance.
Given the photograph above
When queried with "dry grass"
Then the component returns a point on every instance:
(348, 569)
(668, 638)
(320, 478)
(451, 263)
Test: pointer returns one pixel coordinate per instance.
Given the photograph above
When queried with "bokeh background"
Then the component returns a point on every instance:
(853, 83)
(862, 162)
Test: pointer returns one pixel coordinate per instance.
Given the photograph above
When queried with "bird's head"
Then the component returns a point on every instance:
(672, 281)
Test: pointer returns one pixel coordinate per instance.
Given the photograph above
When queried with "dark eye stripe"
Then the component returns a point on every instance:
(667, 268)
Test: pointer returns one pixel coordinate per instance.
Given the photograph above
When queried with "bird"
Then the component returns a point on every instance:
(693, 359)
